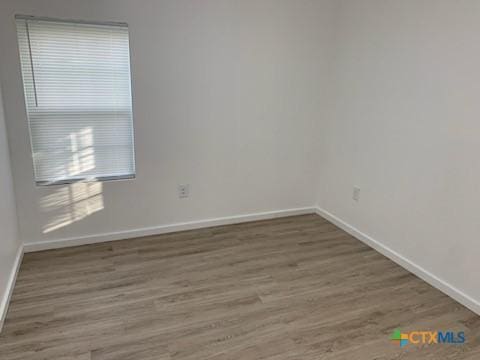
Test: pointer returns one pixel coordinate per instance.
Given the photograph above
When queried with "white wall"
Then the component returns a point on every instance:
(404, 125)
(9, 242)
(225, 99)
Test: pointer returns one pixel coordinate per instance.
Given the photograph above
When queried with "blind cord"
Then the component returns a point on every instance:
(31, 63)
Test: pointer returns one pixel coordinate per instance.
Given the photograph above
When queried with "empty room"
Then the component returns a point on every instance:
(239, 179)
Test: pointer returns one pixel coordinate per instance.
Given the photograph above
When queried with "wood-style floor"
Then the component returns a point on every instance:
(291, 288)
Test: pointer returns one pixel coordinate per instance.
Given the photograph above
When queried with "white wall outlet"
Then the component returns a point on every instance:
(356, 193)
(183, 191)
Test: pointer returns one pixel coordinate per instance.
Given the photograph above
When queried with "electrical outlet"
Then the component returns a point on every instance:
(183, 191)
(356, 193)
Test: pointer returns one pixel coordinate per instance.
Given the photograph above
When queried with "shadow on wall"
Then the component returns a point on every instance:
(76, 201)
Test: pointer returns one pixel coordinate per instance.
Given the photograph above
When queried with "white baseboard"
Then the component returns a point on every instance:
(409, 265)
(163, 229)
(10, 285)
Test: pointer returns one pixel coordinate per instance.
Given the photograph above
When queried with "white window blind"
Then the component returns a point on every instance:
(78, 98)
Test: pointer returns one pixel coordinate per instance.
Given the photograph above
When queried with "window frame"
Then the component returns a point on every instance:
(76, 179)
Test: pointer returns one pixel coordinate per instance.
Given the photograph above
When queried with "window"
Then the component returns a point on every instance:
(76, 80)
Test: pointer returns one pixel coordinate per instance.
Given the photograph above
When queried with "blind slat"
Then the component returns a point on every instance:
(78, 97)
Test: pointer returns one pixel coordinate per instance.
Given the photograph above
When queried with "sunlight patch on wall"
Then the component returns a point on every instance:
(72, 203)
